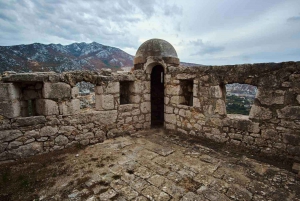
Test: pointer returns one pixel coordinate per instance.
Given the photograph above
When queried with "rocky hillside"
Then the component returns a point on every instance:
(241, 89)
(59, 58)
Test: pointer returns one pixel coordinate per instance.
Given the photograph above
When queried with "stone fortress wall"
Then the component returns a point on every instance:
(273, 126)
(58, 122)
(40, 112)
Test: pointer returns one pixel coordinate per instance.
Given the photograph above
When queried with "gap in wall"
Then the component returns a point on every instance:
(125, 92)
(186, 92)
(240, 98)
(86, 95)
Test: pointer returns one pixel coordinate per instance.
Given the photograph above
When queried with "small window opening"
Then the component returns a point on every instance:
(240, 98)
(125, 92)
(186, 92)
(30, 92)
(86, 95)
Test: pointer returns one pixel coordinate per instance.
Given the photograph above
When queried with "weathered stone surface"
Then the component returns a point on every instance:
(112, 87)
(145, 107)
(46, 107)
(74, 92)
(216, 91)
(269, 134)
(173, 90)
(261, 113)
(169, 110)
(29, 121)
(137, 87)
(14, 144)
(10, 109)
(289, 112)
(296, 167)
(298, 99)
(58, 90)
(220, 107)
(69, 107)
(105, 102)
(48, 131)
(67, 130)
(27, 150)
(8, 92)
(135, 99)
(170, 118)
(9, 135)
(61, 140)
(3, 146)
(270, 97)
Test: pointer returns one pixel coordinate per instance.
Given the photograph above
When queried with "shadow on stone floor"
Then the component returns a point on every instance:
(150, 165)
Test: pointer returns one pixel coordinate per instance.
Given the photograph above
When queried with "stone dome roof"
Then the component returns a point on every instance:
(155, 48)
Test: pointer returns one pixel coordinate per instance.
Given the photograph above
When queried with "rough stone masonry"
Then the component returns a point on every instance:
(40, 112)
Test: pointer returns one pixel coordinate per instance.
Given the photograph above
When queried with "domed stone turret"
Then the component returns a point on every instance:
(156, 48)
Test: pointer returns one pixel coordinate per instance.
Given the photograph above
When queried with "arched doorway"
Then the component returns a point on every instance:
(157, 96)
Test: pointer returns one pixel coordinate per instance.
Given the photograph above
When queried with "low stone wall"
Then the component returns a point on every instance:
(194, 105)
(55, 120)
(273, 126)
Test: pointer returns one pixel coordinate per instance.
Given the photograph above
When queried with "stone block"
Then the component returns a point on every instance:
(261, 113)
(99, 90)
(9, 91)
(74, 92)
(27, 150)
(269, 134)
(29, 121)
(146, 97)
(166, 100)
(145, 107)
(173, 90)
(196, 102)
(298, 99)
(220, 107)
(105, 102)
(177, 99)
(46, 107)
(170, 118)
(291, 139)
(48, 131)
(69, 107)
(9, 135)
(112, 88)
(216, 92)
(147, 87)
(169, 109)
(135, 99)
(58, 90)
(3, 146)
(10, 109)
(270, 97)
(61, 140)
(296, 167)
(289, 112)
(137, 87)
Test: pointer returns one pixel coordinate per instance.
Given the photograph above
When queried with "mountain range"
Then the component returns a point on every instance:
(39, 57)
(56, 57)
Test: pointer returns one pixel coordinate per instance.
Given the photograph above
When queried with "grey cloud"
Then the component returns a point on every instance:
(171, 10)
(294, 19)
(205, 48)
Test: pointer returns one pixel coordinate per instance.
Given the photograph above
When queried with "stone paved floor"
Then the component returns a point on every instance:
(152, 166)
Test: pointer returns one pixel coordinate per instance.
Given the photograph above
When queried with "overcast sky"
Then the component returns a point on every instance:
(211, 32)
